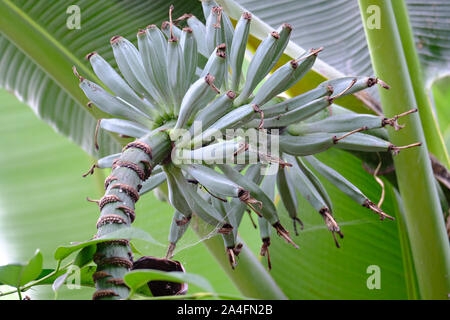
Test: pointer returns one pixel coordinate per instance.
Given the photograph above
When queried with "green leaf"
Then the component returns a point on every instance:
(37, 55)
(85, 256)
(63, 252)
(138, 278)
(17, 275)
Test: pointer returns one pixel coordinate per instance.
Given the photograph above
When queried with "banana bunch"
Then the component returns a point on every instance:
(189, 72)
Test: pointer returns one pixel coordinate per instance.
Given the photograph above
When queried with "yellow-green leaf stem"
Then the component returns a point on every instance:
(423, 215)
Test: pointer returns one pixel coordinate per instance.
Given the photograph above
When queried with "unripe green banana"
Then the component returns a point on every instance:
(307, 144)
(285, 77)
(267, 208)
(153, 182)
(176, 195)
(295, 115)
(226, 24)
(198, 95)
(265, 230)
(215, 110)
(197, 204)
(124, 127)
(360, 83)
(308, 190)
(109, 76)
(189, 47)
(175, 72)
(107, 162)
(178, 227)
(263, 206)
(220, 152)
(214, 29)
(316, 182)
(130, 64)
(288, 197)
(153, 51)
(229, 120)
(228, 239)
(260, 65)
(207, 6)
(237, 49)
(271, 111)
(284, 32)
(336, 110)
(345, 186)
(215, 182)
(346, 122)
(238, 207)
(216, 65)
(112, 105)
(199, 31)
(367, 143)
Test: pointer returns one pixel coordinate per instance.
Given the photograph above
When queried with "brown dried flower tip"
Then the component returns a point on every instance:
(115, 39)
(231, 257)
(265, 251)
(90, 55)
(226, 229)
(218, 12)
(247, 15)
(231, 94)
(287, 26)
(209, 79)
(275, 34)
(282, 232)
